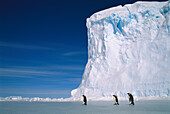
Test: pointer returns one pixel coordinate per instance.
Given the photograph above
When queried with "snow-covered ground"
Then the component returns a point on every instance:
(140, 107)
(128, 51)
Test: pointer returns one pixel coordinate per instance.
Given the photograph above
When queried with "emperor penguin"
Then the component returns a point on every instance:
(131, 100)
(84, 100)
(116, 100)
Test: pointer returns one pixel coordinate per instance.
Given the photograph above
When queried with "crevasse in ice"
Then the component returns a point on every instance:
(128, 51)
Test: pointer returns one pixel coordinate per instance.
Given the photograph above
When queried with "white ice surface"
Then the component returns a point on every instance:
(140, 107)
(128, 51)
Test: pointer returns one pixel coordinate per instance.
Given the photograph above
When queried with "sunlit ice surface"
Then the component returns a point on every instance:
(93, 107)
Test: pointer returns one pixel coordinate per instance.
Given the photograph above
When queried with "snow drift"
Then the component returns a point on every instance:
(128, 51)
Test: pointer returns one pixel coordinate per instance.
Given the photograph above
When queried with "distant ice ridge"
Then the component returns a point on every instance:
(128, 51)
(35, 99)
(38, 99)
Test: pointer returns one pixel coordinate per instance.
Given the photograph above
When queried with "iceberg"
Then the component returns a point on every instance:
(128, 51)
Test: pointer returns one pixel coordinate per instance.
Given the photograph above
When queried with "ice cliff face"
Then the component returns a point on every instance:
(128, 51)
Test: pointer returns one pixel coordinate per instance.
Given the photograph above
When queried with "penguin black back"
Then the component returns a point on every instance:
(116, 100)
(84, 100)
(131, 100)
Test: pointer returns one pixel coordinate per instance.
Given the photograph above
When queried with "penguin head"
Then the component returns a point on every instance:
(114, 95)
(128, 93)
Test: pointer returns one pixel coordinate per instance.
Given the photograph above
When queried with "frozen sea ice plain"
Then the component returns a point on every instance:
(128, 51)
(99, 107)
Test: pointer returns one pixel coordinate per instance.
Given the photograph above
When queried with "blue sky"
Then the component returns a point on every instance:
(43, 45)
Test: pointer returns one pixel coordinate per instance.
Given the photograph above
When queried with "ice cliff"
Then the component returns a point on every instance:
(128, 51)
